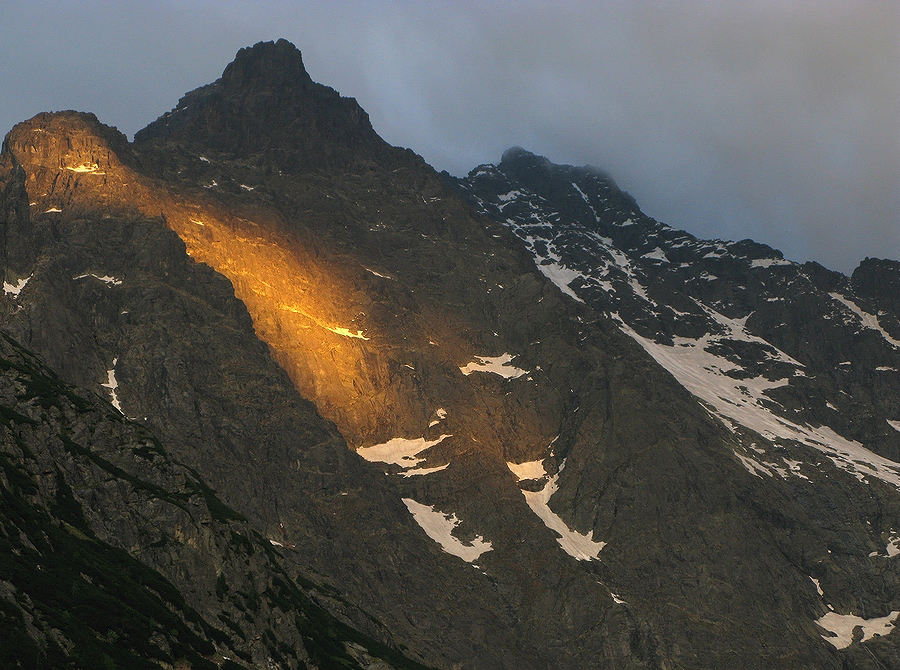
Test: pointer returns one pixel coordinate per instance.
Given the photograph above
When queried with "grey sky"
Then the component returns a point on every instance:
(771, 119)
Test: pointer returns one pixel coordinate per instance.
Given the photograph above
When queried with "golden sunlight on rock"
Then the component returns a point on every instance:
(355, 341)
(311, 319)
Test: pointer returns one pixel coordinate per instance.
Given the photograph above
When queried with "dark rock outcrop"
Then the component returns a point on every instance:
(116, 555)
(267, 108)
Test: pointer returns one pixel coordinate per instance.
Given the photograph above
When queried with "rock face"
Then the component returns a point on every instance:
(116, 555)
(582, 438)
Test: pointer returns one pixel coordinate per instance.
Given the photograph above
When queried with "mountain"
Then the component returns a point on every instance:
(504, 421)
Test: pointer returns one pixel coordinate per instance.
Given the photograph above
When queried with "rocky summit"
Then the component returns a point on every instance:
(276, 394)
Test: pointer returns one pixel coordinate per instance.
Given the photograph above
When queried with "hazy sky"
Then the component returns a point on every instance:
(777, 120)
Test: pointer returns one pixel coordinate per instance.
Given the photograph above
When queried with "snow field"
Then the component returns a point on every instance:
(742, 401)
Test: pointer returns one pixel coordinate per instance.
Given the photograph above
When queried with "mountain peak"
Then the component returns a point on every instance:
(266, 107)
(270, 64)
(522, 157)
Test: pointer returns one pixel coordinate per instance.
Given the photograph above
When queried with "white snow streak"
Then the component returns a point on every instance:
(753, 466)
(498, 365)
(818, 586)
(439, 527)
(869, 321)
(112, 281)
(893, 546)
(894, 424)
(512, 195)
(424, 471)
(346, 332)
(657, 254)
(585, 198)
(113, 386)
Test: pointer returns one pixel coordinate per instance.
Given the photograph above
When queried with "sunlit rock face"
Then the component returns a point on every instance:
(515, 420)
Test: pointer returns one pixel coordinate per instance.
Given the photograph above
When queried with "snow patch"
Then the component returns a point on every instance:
(842, 627)
(498, 365)
(768, 262)
(560, 275)
(400, 451)
(52, 209)
(424, 471)
(818, 586)
(440, 413)
(581, 547)
(85, 167)
(113, 386)
(512, 195)
(893, 546)
(657, 254)
(529, 470)
(585, 198)
(346, 332)
(753, 466)
(439, 527)
(378, 274)
(894, 424)
(15, 289)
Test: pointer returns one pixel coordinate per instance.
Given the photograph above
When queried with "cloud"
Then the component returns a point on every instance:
(770, 119)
